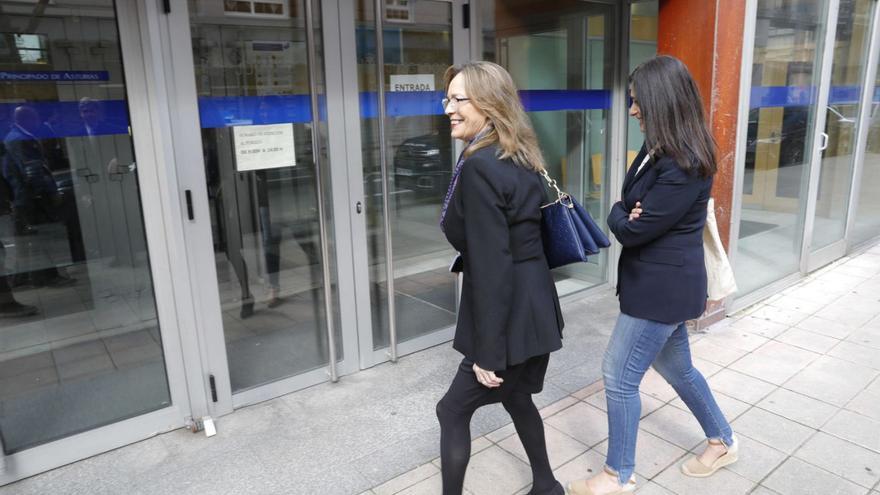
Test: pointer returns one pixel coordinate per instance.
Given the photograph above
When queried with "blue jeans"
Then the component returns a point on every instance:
(635, 345)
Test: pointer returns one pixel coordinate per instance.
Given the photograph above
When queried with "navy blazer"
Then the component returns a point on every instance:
(661, 272)
(509, 309)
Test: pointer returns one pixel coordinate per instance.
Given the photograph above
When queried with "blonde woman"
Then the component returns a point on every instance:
(509, 319)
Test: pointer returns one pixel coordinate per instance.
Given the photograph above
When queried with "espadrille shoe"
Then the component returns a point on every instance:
(580, 487)
(696, 469)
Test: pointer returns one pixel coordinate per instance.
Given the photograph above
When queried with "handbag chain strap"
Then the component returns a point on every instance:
(561, 197)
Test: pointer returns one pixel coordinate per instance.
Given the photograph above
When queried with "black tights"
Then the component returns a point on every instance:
(455, 440)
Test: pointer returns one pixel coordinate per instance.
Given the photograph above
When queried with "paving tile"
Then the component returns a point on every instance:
(772, 430)
(796, 477)
(736, 338)
(653, 454)
(430, 486)
(810, 341)
(656, 386)
(762, 490)
(802, 305)
(731, 407)
(846, 314)
(707, 368)
(843, 458)
(651, 488)
(582, 422)
(867, 404)
(784, 316)
(774, 362)
(674, 425)
(501, 433)
(561, 448)
(494, 470)
(723, 481)
(406, 480)
(858, 429)
(557, 406)
(825, 327)
(868, 337)
(850, 350)
(715, 353)
(740, 386)
(797, 407)
(831, 380)
(649, 404)
(756, 460)
(759, 326)
(583, 466)
(589, 390)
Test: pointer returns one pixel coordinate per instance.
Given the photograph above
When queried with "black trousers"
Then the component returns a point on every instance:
(466, 395)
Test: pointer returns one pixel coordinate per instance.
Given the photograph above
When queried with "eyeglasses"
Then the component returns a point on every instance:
(630, 101)
(455, 99)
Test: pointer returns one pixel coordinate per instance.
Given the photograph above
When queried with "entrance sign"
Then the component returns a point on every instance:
(259, 147)
(412, 82)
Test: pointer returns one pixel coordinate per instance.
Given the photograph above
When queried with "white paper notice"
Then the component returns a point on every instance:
(412, 82)
(259, 147)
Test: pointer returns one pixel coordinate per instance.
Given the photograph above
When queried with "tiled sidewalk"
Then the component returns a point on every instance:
(797, 376)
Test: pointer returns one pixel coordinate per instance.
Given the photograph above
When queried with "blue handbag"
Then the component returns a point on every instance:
(568, 231)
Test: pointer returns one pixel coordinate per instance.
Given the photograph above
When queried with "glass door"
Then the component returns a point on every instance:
(836, 160)
(252, 100)
(89, 345)
(407, 158)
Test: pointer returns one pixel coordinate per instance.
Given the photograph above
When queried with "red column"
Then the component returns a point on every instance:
(707, 36)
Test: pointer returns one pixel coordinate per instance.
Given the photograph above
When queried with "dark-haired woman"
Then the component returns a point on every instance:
(662, 275)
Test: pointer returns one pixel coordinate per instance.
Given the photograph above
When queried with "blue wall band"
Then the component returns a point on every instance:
(64, 117)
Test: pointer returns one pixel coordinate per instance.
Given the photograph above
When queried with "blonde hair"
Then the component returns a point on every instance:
(490, 90)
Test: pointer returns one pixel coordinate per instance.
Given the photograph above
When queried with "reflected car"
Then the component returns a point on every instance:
(423, 165)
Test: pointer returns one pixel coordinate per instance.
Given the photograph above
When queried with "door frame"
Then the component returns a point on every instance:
(145, 93)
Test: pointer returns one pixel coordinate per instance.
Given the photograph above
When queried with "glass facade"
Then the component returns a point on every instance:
(779, 146)
(80, 341)
(81, 344)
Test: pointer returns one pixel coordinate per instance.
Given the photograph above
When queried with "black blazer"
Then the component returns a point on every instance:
(509, 308)
(662, 273)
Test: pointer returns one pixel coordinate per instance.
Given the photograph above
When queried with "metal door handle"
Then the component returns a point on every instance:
(824, 142)
(359, 207)
(189, 205)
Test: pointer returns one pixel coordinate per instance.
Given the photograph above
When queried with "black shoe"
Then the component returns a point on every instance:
(16, 309)
(556, 490)
(247, 310)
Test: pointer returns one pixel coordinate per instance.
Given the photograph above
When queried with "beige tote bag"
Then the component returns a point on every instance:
(718, 270)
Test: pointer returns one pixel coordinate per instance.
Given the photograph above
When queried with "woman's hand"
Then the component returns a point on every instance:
(487, 378)
(636, 212)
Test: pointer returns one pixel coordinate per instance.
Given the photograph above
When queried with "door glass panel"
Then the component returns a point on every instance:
(417, 39)
(642, 46)
(561, 59)
(785, 78)
(867, 215)
(847, 73)
(251, 72)
(80, 344)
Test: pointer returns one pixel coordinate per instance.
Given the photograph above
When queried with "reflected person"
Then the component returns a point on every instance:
(35, 196)
(509, 319)
(662, 274)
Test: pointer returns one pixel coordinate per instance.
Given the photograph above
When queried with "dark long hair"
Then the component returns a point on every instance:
(672, 112)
